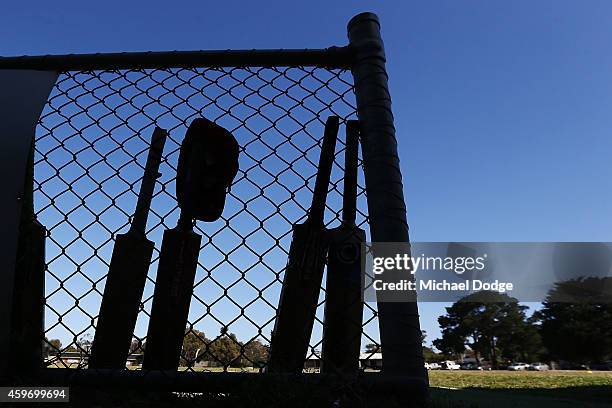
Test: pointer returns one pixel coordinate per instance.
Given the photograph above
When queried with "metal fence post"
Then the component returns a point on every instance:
(400, 332)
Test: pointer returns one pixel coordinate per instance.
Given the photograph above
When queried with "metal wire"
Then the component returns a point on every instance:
(91, 145)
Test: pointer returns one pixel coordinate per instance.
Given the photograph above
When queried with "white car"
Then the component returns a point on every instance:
(518, 367)
(450, 365)
(432, 366)
(539, 367)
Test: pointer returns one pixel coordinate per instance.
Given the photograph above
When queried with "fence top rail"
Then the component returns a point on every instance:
(332, 57)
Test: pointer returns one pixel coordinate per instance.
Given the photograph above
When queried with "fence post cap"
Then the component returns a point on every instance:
(361, 18)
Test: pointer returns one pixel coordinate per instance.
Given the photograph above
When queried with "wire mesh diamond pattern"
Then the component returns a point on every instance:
(91, 146)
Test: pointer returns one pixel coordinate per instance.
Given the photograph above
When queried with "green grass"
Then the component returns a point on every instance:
(519, 379)
(500, 389)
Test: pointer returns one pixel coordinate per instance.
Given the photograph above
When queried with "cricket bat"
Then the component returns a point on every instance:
(343, 289)
(176, 272)
(173, 290)
(304, 272)
(207, 164)
(127, 274)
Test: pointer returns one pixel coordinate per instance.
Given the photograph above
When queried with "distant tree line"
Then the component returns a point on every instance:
(488, 325)
(428, 353)
(224, 350)
(495, 327)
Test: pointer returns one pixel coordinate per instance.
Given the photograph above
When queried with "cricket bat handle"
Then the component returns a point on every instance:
(349, 198)
(158, 140)
(326, 161)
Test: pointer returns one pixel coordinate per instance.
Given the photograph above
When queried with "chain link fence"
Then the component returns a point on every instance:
(91, 146)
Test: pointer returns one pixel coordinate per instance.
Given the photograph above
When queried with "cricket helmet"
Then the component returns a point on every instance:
(207, 165)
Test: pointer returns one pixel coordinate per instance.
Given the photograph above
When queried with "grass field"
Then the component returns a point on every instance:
(502, 389)
(497, 389)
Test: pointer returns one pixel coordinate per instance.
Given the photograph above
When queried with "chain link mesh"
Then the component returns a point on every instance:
(91, 146)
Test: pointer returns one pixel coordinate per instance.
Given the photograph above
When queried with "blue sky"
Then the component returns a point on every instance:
(502, 109)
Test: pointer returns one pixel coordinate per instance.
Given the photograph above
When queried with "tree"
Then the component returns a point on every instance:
(431, 356)
(453, 342)
(492, 325)
(225, 350)
(580, 331)
(377, 348)
(255, 353)
(51, 346)
(84, 343)
(194, 344)
(522, 342)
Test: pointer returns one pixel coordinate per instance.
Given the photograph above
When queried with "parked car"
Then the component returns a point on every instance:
(432, 366)
(518, 366)
(606, 366)
(449, 365)
(471, 366)
(568, 365)
(538, 367)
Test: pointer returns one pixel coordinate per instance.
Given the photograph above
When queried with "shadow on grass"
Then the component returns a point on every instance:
(587, 396)
(282, 396)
